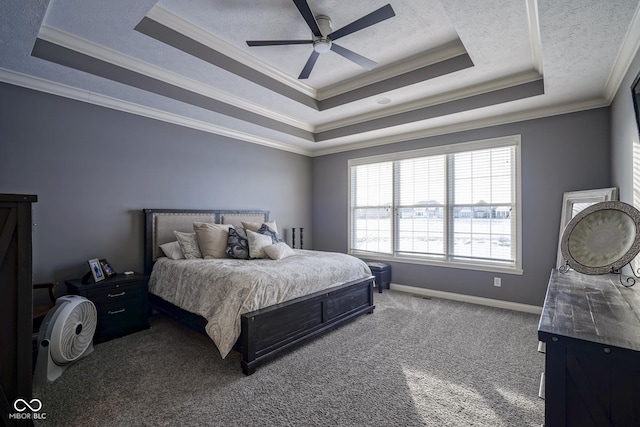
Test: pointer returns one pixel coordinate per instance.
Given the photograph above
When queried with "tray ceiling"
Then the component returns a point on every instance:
(441, 66)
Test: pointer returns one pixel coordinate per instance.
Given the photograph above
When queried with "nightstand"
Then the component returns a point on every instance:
(121, 302)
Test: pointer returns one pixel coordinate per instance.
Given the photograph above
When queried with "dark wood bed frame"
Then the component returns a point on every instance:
(269, 331)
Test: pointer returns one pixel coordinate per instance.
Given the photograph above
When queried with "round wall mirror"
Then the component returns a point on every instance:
(602, 238)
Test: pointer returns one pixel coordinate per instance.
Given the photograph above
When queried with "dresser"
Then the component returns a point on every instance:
(121, 302)
(591, 329)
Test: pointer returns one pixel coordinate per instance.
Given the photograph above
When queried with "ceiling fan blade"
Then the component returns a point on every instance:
(276, 42)
(352, 56)
(307, 14)
(309, 65)
(385, 12)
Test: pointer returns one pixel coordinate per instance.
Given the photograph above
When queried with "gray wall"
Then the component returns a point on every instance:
(624, 140)
(562, 153)
(625, 149)
(94, 170)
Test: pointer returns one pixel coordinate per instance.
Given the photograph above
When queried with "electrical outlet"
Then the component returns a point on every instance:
(497, 281)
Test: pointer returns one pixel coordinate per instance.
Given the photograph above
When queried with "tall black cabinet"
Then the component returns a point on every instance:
(15, 300)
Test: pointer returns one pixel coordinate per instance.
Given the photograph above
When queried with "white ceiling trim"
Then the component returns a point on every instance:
(176, 23)
(534, 32)
(85, 47)
(53, 88)
(468, 125)
(479, 89)
(42, 85)
(627, 52)
(439, 54)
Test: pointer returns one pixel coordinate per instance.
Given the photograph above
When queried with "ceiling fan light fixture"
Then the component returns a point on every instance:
(322, 45)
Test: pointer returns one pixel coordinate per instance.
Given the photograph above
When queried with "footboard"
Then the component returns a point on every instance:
(269, 331)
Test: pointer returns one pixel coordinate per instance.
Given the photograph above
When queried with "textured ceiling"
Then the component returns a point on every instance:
(442, 66)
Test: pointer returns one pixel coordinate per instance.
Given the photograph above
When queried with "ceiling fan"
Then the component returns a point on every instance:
(323, 37)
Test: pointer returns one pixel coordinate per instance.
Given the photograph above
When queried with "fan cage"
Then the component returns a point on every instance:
(73, 331)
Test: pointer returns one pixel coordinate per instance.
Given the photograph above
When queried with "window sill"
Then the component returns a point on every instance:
(436, 263)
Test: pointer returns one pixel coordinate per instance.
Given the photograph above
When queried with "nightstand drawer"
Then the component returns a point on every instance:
(122, 309)
(117, 293)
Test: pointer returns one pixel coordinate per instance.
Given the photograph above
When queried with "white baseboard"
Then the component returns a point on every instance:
(468, 298)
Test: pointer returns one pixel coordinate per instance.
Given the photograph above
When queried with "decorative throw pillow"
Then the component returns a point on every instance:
(237, 243)
(278, 250)
(212, 239)
(257, 242)
(189, 244)
(172, 250)
(255, 226)
(268, 231)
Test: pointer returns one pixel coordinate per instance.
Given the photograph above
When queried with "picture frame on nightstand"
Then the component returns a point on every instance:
(106, 268)
(96, 269)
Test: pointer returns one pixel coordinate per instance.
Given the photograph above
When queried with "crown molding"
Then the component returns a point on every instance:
(46, 86)
(65, 91)
(625, 57)
(481, 88)
(85, 47)
(468, 125)
(421, 60)
(176, 23)
(534, 33)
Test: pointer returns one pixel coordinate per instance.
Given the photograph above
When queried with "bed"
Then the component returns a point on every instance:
(278, 316)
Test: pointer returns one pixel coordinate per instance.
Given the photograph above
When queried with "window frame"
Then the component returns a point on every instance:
(448, 260)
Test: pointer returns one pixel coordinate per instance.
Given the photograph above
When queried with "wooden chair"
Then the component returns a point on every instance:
(40, 310)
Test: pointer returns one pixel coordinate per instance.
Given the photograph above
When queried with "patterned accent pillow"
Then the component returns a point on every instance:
(255, 226)
(237, 243)
(189, 244)
(268, 231)
(257, 242)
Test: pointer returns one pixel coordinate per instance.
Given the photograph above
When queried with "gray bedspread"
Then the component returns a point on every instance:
(220, 290)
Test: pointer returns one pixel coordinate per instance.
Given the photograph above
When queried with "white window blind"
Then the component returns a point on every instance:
(456, 205)
(371, 202)
(483, 205)
(421, 193)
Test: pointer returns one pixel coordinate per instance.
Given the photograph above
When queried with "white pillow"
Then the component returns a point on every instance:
(278, 250)
(172, 250)
(257, 242)
(188, 244)
(255, 226)
(212, 239)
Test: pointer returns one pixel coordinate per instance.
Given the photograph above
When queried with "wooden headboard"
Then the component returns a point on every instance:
(159, 225)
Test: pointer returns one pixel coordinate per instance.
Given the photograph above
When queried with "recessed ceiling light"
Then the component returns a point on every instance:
(383, 101)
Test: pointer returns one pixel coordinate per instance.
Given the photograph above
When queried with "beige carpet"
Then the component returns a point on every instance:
(413, 362)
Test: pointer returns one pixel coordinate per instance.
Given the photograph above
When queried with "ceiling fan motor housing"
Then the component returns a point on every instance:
(323, 44)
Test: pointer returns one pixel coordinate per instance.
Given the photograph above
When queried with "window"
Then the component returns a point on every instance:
(455, 205)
